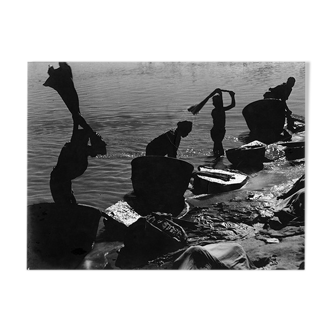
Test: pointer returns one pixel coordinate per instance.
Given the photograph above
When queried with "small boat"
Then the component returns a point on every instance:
(212, 181)
(248, 154)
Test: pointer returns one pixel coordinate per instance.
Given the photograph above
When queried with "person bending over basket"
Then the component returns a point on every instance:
(73, 162)
(168, 143)
(282, 92)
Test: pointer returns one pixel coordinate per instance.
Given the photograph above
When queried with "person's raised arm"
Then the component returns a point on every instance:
(196, 108)
(232, 94)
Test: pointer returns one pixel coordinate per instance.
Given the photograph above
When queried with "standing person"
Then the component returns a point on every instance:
(282, 92)
(219, 120)
(73, 162)
(168, 143)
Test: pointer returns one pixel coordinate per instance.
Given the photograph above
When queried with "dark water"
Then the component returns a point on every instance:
(129, 104)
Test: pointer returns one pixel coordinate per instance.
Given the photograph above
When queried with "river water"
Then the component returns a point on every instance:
(131, 103)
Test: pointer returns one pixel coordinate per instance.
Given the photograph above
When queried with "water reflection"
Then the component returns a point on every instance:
(131, 103)
(245, 137)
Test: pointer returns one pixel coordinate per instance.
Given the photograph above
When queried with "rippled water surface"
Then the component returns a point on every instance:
(129, 104)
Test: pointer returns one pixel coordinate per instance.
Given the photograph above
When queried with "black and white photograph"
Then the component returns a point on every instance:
(166, 165)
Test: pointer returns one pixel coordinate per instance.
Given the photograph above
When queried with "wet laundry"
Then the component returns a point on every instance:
(215, 256)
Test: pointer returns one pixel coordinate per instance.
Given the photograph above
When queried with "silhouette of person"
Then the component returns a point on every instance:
(282, 92)
(73, 162)
(73, 158)
(218, 130)
(61, 80)
(168, 143)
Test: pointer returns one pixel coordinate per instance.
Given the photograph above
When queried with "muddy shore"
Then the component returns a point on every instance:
(245, 217)
(242, 219)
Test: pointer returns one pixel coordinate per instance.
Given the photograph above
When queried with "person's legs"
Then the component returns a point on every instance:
(216, 148)
(217, 136)
(223, 132)
(214, 137)
(62, 191)
(221, 151)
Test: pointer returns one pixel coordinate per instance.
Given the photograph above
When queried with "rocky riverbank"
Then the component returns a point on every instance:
(248, 219)
(260, 226)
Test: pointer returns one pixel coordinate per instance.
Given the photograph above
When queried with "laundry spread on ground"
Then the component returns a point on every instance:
(216, 256)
